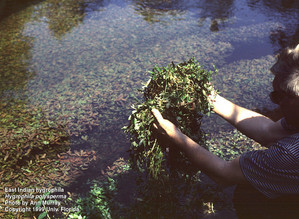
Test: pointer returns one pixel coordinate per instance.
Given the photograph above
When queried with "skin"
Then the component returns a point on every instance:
(252, 124)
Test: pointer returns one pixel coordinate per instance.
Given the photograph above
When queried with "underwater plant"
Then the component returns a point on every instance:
(25, 134)
(180, 92)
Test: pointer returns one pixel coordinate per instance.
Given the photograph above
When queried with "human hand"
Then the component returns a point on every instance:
(165, 127)
(213, 95)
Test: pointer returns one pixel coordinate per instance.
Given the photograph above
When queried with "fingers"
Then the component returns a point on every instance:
(159, 118)
(157, 115)
(164, 126)
(158, 129)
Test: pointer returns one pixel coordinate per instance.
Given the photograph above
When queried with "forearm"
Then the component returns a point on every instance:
(252, 124)
(223, 172)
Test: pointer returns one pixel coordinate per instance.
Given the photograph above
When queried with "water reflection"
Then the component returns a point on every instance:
(61, 16)
(64, 15)
(94, 5)
(16, 47)
(287, 12)
(280, 6)
(14, 54)
(8, 7)
(218, 11)
(153, 11)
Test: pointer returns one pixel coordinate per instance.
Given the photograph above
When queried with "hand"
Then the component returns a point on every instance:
(165, 127)
(212, 97)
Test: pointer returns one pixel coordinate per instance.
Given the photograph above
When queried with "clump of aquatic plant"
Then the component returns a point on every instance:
(180, 92)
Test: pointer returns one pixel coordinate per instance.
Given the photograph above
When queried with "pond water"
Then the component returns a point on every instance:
(82, 61)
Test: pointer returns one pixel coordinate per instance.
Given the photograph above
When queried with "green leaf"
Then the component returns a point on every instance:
(42, 215)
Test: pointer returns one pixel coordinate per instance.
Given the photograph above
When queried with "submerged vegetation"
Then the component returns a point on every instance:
(180, 92)
(149, 198)
(35, 153)
(25, 135)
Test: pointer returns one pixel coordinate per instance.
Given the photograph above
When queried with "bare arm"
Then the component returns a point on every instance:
(254, 125)
(222, 172)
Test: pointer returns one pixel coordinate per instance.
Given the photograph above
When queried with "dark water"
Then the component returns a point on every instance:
(82, 61)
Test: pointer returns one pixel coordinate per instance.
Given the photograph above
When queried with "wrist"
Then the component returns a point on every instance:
(177, 137)
(215, 100)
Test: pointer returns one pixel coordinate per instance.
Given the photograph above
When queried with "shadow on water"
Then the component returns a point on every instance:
(252, 50)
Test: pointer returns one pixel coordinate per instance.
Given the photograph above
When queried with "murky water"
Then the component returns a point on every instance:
(81, 62)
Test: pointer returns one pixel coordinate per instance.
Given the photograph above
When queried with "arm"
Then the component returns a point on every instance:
(222, 172)
(254, 125)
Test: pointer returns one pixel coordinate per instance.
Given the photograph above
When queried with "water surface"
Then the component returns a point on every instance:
(82, 62)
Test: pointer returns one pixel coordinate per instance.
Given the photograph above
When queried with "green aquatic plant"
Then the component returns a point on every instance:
(96, 203)
(180, 92)
(25, 133)
(29, 146)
